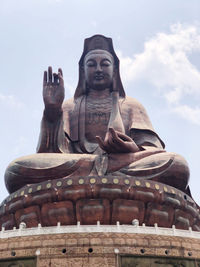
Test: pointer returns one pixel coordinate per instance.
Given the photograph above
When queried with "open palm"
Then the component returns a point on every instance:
(53, 89)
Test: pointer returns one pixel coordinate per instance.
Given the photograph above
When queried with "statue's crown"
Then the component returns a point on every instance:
(98, 42)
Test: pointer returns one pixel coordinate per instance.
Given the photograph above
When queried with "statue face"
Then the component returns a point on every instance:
(99, 69)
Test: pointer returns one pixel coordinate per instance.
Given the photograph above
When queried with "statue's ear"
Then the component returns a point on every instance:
(114, 71)
(114, 74)
(82, 69)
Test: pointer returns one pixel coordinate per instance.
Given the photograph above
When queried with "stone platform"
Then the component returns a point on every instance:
(106, 199)
(99, 245)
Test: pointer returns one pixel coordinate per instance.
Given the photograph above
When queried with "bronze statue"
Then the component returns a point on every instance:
(98, 157)
(100, 131)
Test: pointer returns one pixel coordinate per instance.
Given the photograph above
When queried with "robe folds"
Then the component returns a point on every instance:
(63, 151)
(67, 134)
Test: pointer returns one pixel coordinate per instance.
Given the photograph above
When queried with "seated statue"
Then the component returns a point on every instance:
(99, 132)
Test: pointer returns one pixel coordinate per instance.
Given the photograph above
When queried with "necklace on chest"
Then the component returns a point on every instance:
(98, 110)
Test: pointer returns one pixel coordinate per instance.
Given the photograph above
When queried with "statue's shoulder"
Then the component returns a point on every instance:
(131, 103)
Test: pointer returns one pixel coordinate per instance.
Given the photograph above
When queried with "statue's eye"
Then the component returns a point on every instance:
(105, 63)
(90, 63)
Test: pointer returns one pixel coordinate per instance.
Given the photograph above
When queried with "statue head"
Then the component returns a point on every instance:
(98, 66)
(99, 69)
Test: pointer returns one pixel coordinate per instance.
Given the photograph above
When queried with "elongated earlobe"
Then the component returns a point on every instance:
(82, 69)
(114, 71)
(86, 88)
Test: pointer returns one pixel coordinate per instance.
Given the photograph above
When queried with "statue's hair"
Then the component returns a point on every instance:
(99, 51)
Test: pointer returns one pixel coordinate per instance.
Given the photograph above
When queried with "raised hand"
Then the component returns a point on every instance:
(53, 89)
(116, 142)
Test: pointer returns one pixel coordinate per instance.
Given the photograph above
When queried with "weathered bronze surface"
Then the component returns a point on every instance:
(99, 133)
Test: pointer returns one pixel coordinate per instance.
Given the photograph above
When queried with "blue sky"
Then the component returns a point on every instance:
(158, 43)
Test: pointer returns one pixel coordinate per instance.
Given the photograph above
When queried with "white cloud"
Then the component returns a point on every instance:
(165, 63)
(191, 114)
(10, 101)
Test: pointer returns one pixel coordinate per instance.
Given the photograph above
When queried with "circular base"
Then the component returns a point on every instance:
(106, 199)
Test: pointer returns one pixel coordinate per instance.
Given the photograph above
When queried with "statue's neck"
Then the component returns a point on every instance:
(99, 94)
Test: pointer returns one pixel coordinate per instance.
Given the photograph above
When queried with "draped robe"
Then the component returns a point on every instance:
(63, 150)
(68, 133)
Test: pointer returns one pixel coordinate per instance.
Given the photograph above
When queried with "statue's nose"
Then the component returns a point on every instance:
(98, 68)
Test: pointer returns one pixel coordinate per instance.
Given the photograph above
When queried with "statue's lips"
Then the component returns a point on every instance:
(99, 77)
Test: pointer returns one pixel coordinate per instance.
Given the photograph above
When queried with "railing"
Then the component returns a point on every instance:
(98, 228)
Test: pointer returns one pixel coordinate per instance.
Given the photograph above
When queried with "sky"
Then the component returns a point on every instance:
(158, 43)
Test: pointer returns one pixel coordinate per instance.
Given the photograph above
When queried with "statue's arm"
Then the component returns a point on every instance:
(117, 142)
(138, 125)
(52, 136)
(145, 139)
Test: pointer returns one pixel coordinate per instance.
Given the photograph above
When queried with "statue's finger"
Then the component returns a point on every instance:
(113, 133)
(112, 146)
(101, 143)
(115, 143)
(114, 136)
(124, 136)
(107, 145)
(61, 81)
(127, 146)
(45, 78)
(50, 74)
(111, 143)
(132, 147)
(118, 135)
(55, 78)
(60, 71)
